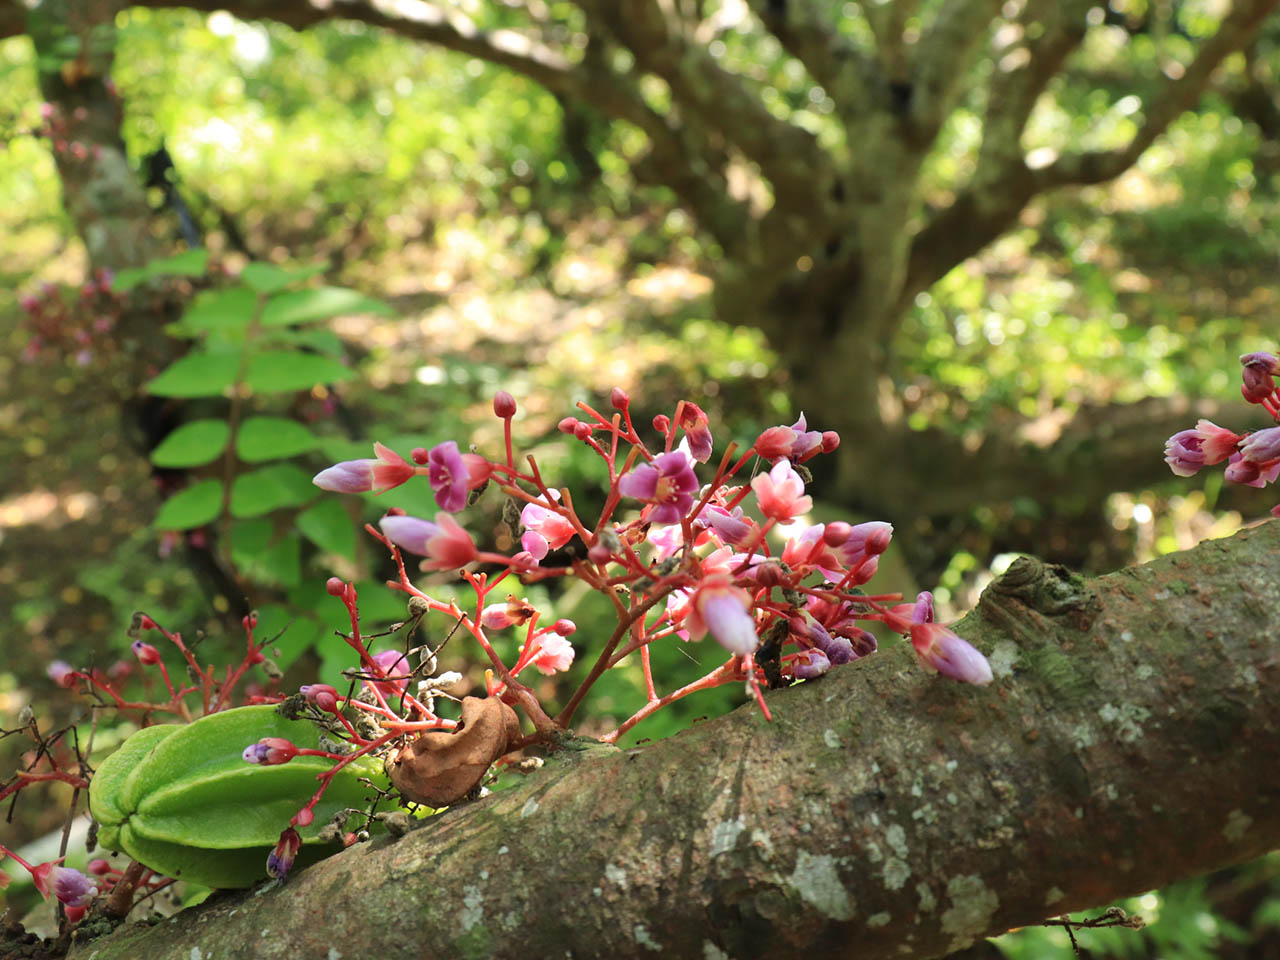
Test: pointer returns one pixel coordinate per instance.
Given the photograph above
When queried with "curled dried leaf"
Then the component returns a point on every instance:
(441, 767)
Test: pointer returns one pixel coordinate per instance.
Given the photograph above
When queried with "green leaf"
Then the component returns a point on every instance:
(193, 507)
(277, 562)
(268, 278)
(316, 338)
(290, 634)
(282, 371)
(301, 306)
(272, 438)
(270, 488)
(190, 263)
(192, 444)
(217, 311)
(197, 374)
(329, 527)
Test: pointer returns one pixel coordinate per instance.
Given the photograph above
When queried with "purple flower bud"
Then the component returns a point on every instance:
(71, 886)
(810, 664)
(280, 860)
(1259, 371)
(448, 475)
(1263, 446)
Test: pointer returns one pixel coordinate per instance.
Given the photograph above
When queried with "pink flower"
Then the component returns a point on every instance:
(668, 482)
(322, 695)
(513, 612)
(723, 610)
(1262, 446)
(270, 751)
(940, 649)
(780, 493)
(1259, 375)
(1189, 450)
(549, 530)
(62, 673)
(937, 647)
(1251, 474)
(810, 663)
(667, 541)
(555, 654)
(71, 886)
(280, 860)
(393, 664)
(448, 475)
(359, 476)
(697, 431)
(445, 544)
(793, 443)
(732, 528)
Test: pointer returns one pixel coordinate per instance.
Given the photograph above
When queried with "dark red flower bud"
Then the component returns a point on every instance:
(504, 405)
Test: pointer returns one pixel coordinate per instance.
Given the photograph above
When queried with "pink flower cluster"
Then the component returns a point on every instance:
(1253, 459)
(701, 550)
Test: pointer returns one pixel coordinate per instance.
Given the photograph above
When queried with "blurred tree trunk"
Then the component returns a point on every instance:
(1130, 739)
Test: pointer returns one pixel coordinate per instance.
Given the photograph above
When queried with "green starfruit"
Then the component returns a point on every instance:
(181, 799)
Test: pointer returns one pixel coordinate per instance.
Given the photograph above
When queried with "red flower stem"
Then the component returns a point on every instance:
(725, 673)
(506, 437)
(602, 662)
(649, 689)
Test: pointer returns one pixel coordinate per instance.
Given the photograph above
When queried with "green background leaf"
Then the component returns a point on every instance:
(282, 371)
(193, 507)
(301, 306)
(192, 444)
(270, 488)
(197, 374)
(217, 311)
(329, 527)
(272, 438)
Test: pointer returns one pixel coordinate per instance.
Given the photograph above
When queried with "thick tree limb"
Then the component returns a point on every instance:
(1131, 738)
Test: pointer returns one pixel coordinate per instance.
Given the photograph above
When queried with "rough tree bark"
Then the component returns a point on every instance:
(830, 263)
(1130, 738)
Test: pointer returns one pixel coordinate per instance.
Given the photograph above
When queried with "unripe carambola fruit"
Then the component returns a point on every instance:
(181, 799)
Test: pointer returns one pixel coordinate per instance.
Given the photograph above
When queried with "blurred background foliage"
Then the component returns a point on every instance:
(517, 252)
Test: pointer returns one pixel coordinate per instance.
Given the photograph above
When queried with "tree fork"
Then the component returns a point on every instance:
(1128, 740)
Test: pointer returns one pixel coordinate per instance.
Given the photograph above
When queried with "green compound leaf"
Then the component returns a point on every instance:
(193, 507)
(302, 306)
(282, 371)
(329, 527)
(272, 438)
(196, 375)
(225, 312)
(192, 444)
(268, 278)
(270, 488)
(191, 263)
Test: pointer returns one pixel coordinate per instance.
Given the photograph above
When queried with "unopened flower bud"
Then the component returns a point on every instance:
(564, 627)
(98, 867)
(504, 405)
(619, 399)
(582, 430)
(662, 423)
(145, 652)
(598, 553)
(304, 817)
(568, 425)
(836, 533)
(335, 587)
(830, 440)
(419, 455)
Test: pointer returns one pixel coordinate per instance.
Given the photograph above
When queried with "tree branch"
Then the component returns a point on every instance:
(986, 208)
(811, 37)
(1237, 30)
(942, 59)
(1130, 739)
